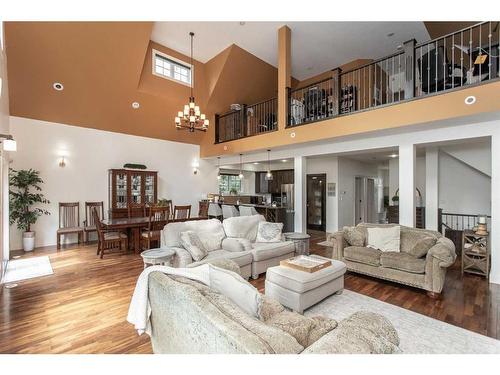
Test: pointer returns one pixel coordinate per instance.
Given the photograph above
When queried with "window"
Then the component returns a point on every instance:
(171, 68)
(228, 183)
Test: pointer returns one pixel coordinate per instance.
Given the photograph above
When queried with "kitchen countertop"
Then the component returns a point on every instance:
(268, 206)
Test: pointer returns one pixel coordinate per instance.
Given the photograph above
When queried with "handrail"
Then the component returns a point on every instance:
(452, 33)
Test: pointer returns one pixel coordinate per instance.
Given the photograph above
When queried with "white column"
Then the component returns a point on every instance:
(407, 185)
(300, 170)
(495, 209)
(431, 188)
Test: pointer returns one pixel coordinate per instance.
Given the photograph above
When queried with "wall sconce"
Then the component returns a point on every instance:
(62, 162)
(9, 144)
(195, 166)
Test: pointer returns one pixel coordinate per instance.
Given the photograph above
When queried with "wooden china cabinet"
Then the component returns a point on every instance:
(131, 187)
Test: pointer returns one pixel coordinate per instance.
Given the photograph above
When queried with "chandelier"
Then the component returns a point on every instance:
(191, 118)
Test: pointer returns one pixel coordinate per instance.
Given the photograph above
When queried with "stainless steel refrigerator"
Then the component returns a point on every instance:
(287, 201)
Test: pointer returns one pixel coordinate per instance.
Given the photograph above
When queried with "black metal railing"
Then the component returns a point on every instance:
(249, 120)
(458, 222)
(467, 57)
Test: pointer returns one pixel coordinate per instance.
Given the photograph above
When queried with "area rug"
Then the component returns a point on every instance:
(418, 333)
(22, 269)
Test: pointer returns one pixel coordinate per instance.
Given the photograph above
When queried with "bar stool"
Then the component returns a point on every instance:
(214, 210)
(248, 211)
(229, 211)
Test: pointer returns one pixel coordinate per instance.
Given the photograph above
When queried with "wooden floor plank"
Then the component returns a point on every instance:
(82, 307)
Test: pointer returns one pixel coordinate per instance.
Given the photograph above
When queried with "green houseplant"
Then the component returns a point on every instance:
(24, 195)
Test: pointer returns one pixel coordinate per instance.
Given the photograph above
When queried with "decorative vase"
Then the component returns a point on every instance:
(28, 241)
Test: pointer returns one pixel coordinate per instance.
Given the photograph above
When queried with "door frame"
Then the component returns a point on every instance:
(321, 227)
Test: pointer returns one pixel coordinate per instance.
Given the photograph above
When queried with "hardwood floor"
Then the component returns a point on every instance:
(82, 307)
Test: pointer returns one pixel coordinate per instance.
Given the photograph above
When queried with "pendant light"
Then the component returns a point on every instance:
(241, 165)
(218, 168)
(191, 117)
(269, 175)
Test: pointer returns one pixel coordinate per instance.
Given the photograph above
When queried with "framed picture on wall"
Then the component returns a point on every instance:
(331, 188)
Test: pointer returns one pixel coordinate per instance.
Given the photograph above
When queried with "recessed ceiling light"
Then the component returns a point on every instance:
(393, 156)
(256, 163)
(284, 161)
(470, 100)
(58, 86)
(390, 34)
(135, 105)
(399, 47)
(292, 135)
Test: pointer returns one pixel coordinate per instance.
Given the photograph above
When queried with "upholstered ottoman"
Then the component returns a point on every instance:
(299, 290)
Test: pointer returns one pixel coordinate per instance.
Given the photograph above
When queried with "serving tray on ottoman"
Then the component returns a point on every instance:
(306, 263)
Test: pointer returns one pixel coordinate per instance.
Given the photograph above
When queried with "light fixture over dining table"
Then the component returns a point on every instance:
(191, 117)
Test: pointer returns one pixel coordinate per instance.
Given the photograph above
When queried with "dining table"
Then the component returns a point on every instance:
(133, 225)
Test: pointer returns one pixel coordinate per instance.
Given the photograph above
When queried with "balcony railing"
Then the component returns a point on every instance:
(466, 57)
(249, 120)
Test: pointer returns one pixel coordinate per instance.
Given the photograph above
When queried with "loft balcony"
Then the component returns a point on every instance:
(465, 58)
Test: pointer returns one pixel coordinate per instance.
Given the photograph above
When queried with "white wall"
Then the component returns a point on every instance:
(329, 166)
(462, 189)
(90, 153)
(476, 153)
(348, 170)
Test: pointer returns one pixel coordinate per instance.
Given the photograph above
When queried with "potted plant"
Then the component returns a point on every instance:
(233, 191)
(22, 202)
(395, 200)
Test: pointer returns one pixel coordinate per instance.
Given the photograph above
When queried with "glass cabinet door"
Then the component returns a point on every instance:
(121, 190)
(149, 189)
(136, 188)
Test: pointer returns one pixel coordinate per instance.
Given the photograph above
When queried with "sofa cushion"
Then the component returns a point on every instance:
(410, 236)
(237, 289)
(403, 262)
(236, 244)
(364, 255)
(242, 226)
(242, 258)
(384, 239)
(302, 282)
(264, 251)
(269, 232)
(354, 236)
(422, 247)
(211, 233)
(305, 330)
(192, 243)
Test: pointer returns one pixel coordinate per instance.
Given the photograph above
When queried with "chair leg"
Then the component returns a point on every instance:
(102, 251)
(58, 241)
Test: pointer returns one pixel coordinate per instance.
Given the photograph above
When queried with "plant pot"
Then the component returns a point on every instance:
(28, 241)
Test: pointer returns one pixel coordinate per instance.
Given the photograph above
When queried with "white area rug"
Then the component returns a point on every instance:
(22, 269)
(418, 333)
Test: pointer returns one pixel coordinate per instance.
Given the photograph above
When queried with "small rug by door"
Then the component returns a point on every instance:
(22, 269)
(418, 333)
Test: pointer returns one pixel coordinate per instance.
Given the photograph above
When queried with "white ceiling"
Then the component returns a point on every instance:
(316, 46)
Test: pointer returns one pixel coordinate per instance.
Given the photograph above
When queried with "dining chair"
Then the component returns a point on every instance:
(229, 211)
(69, 221)
(136, 210)
(214, 211)
(158, 218)
(248, 211)
(203, 209)
(108, 240)
(171, 207)
(88, 223)
(182, 212)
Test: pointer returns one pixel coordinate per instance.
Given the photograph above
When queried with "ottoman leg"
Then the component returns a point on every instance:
(255, 277)
(339, 292)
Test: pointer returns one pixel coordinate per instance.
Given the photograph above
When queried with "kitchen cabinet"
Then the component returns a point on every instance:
(280, 177)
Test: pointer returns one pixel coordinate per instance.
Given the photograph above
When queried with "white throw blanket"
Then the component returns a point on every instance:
(139, 311)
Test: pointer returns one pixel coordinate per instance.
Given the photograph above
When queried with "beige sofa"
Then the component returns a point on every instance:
(189, 317)
(414, 265)
(234, 239)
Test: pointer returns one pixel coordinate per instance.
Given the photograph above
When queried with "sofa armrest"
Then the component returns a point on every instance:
(181, 258)
(338, 244)
(443, 251)
(234, 244)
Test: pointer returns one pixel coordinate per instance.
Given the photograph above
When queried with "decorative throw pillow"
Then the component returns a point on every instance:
(238, 290)
(354, 236)
(269, 232)
(422, 246)
(192, 243)
(384, 239)
(211, 240)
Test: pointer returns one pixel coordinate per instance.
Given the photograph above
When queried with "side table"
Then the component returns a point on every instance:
(475, 253)
(157, 256)
(300, 240)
